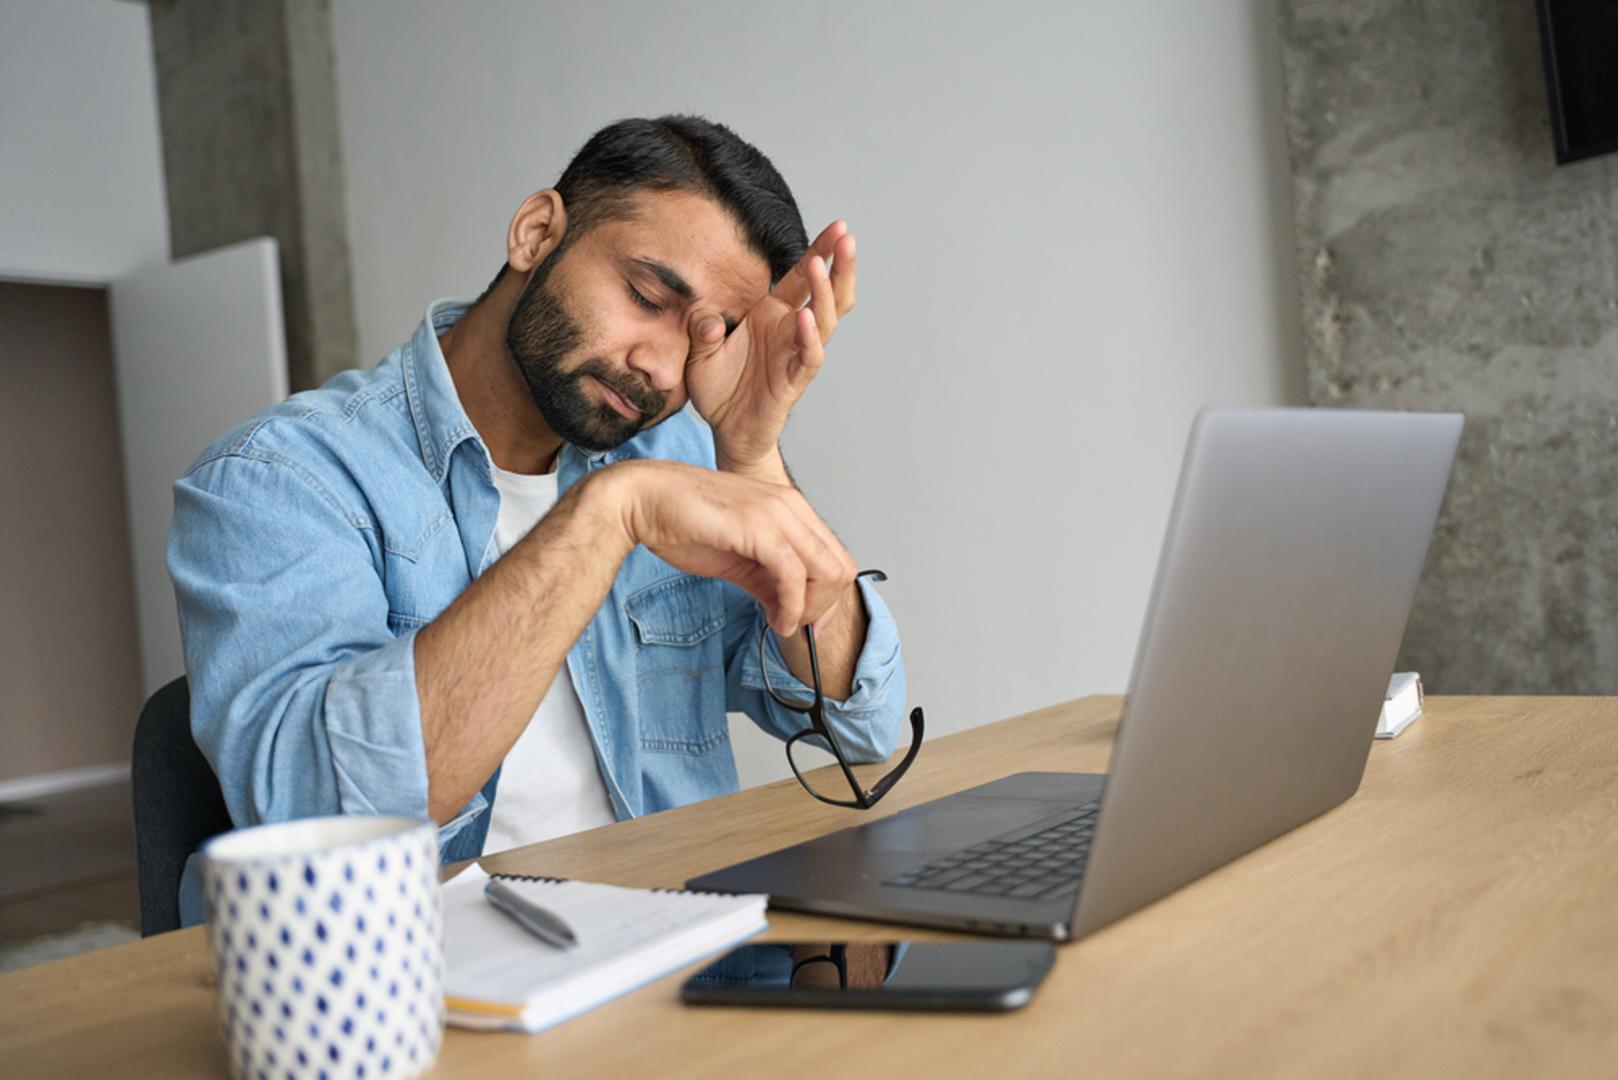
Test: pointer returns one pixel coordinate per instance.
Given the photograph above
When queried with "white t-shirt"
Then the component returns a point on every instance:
(550, 784)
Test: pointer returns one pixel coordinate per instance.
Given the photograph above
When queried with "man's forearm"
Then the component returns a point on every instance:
(838, 642)
(483, 666)
(840, 638)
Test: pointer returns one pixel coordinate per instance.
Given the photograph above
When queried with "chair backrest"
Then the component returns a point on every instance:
(178, 803)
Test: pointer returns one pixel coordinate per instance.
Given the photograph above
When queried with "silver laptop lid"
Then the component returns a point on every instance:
(1287, 572)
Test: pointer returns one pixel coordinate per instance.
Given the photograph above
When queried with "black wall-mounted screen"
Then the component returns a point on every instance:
(1580, 38)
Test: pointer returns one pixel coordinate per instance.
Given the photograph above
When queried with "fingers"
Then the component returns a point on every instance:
(811, 351)
(765, 537)
(790, 577)
(822, 298)
(826, 242)
(808, 567)
(843, 269)
(793, 288)
(829, 566)
(706, 328)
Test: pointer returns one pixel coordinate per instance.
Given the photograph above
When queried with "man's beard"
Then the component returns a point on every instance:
(541, 335)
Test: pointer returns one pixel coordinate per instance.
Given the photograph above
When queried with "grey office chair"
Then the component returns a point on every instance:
(178, 803)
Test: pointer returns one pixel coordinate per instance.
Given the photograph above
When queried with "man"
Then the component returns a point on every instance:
(506, 579)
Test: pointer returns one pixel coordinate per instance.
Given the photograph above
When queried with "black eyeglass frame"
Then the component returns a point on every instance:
(816, 712)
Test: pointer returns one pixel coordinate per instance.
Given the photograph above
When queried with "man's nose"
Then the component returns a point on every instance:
(661, 361)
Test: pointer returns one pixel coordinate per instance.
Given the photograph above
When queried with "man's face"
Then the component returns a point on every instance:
(601, 332)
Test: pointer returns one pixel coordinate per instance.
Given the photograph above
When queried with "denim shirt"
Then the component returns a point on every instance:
(313, 541)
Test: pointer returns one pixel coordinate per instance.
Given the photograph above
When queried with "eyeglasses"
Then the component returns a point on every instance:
(805, 749)
(836, 956)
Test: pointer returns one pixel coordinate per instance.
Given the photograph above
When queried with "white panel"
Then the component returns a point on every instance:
(199, 347)
(24, 788)
(81, 162)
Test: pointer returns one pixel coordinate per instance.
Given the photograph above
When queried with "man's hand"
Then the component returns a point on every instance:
(762, 536)
(744, 385)
(483, 665)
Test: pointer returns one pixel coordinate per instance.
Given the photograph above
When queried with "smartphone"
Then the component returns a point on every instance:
(974, 976)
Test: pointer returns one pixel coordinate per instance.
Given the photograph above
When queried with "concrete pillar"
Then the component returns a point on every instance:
(248, 109)
(1446, 262)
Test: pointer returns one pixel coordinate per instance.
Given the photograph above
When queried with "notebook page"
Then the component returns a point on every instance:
(489, 958)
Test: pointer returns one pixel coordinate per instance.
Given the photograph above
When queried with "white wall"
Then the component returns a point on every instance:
(81, 162)
(1074, 229)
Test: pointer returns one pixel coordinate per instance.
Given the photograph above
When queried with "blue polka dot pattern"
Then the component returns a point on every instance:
(364, 922)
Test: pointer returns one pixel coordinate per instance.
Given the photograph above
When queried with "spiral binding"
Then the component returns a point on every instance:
(694, 892)
(562, 880)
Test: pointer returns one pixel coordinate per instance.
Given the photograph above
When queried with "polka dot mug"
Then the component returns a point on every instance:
(327, 938)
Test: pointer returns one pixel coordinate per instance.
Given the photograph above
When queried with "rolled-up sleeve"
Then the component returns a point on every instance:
(302, 697)
(867, 721)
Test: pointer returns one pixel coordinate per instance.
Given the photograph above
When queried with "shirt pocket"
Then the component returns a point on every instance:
(423, 570)
(680, 664)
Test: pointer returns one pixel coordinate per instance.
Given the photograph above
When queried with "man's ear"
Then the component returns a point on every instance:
(536, 230)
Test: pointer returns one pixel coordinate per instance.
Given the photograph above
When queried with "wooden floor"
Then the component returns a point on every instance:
(107, 898)
(67, 861)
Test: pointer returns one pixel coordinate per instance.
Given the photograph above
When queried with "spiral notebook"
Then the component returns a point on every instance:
(499, 977)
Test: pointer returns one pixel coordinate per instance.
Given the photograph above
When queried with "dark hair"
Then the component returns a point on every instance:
(682, 153)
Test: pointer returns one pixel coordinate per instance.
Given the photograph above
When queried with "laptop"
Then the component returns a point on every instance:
(1286, 575)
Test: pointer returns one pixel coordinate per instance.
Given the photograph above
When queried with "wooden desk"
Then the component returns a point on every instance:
(1457, 917)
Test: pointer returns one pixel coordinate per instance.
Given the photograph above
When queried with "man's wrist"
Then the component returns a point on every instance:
(606, 500)
(771, 468)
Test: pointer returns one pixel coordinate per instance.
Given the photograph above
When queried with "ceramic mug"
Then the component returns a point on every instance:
(327, 936)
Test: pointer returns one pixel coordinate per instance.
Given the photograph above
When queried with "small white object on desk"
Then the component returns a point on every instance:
(1403, 704)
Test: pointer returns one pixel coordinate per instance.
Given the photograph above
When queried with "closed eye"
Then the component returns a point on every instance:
(641, 301)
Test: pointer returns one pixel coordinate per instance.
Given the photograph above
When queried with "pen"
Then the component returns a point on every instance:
(530, 916)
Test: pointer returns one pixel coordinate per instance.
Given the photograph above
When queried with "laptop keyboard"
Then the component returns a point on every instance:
(1022, 864)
